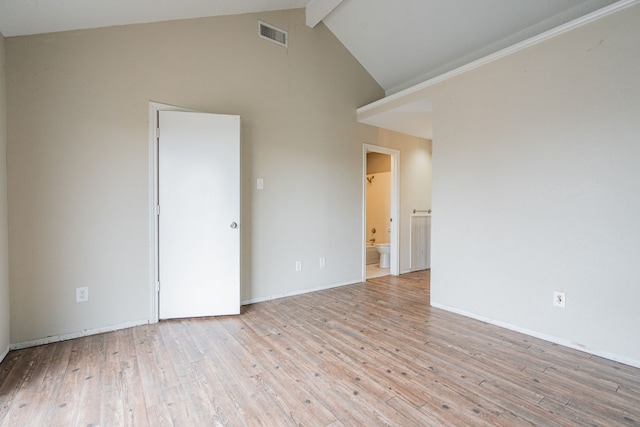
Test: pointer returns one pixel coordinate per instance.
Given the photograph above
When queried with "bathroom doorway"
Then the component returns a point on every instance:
(380, 211)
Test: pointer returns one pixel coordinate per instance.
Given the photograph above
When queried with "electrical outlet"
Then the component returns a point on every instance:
(298, 265)
(323, 262)
(82, 294)
(559, 299)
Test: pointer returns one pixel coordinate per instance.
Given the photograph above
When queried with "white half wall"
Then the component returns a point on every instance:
(536, 189)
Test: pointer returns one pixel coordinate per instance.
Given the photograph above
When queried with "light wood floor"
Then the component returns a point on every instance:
(360, 355)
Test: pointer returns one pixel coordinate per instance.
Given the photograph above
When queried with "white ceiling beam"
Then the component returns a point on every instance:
(317, 10)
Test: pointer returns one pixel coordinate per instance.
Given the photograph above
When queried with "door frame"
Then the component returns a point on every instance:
(154, 266)
(394, 256)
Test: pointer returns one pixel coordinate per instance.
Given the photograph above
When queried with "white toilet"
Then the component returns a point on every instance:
(384, 249)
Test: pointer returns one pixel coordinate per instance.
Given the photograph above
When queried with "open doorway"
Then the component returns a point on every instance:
(380, 207)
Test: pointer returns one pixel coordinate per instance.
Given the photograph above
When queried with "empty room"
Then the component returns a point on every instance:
(319, 213)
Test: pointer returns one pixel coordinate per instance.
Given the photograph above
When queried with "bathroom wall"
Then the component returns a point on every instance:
(415, 181)
(378, 162)
(78, 160)
(379, 207)
(378, 188)
(4, 267)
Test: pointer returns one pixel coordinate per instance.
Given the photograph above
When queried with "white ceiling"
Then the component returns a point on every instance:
(402, 43)
(399, 42)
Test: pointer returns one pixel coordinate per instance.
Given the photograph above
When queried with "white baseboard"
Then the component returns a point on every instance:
(550, 338)
(4, 353)
(304, 291)
(83, 333)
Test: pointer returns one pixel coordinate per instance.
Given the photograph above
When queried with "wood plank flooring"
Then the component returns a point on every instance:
(368, 354)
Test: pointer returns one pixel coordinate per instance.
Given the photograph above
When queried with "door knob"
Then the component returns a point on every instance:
(234, 225)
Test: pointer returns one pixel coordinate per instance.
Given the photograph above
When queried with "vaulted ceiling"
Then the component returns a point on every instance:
(399, 42)
(405, 42)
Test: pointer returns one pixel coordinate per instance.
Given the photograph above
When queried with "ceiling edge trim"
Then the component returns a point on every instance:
(317, 10)
(367, 110)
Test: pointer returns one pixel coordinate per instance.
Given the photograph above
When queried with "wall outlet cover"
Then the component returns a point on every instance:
(559, 299)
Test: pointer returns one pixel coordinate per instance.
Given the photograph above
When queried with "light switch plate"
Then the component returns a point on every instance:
(82, 294)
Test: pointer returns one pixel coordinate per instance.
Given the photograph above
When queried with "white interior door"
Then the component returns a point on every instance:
(198, 223)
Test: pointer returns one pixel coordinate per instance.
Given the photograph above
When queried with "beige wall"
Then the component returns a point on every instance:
(536, 189)
(378, 162)
(378, 197)
(4, 270)
(415, 181)
(378, 207)
(78, 159)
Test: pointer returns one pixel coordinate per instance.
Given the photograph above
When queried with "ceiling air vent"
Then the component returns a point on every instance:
(271, 33)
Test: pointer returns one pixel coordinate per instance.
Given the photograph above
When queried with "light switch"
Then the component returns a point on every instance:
(260, 184)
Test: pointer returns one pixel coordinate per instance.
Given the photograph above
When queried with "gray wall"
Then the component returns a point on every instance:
(77, 108)
(4, 270)
(536, 188)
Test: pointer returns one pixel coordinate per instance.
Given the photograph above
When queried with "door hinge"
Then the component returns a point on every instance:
(157, 132)
(157, 209)
(158, 286)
